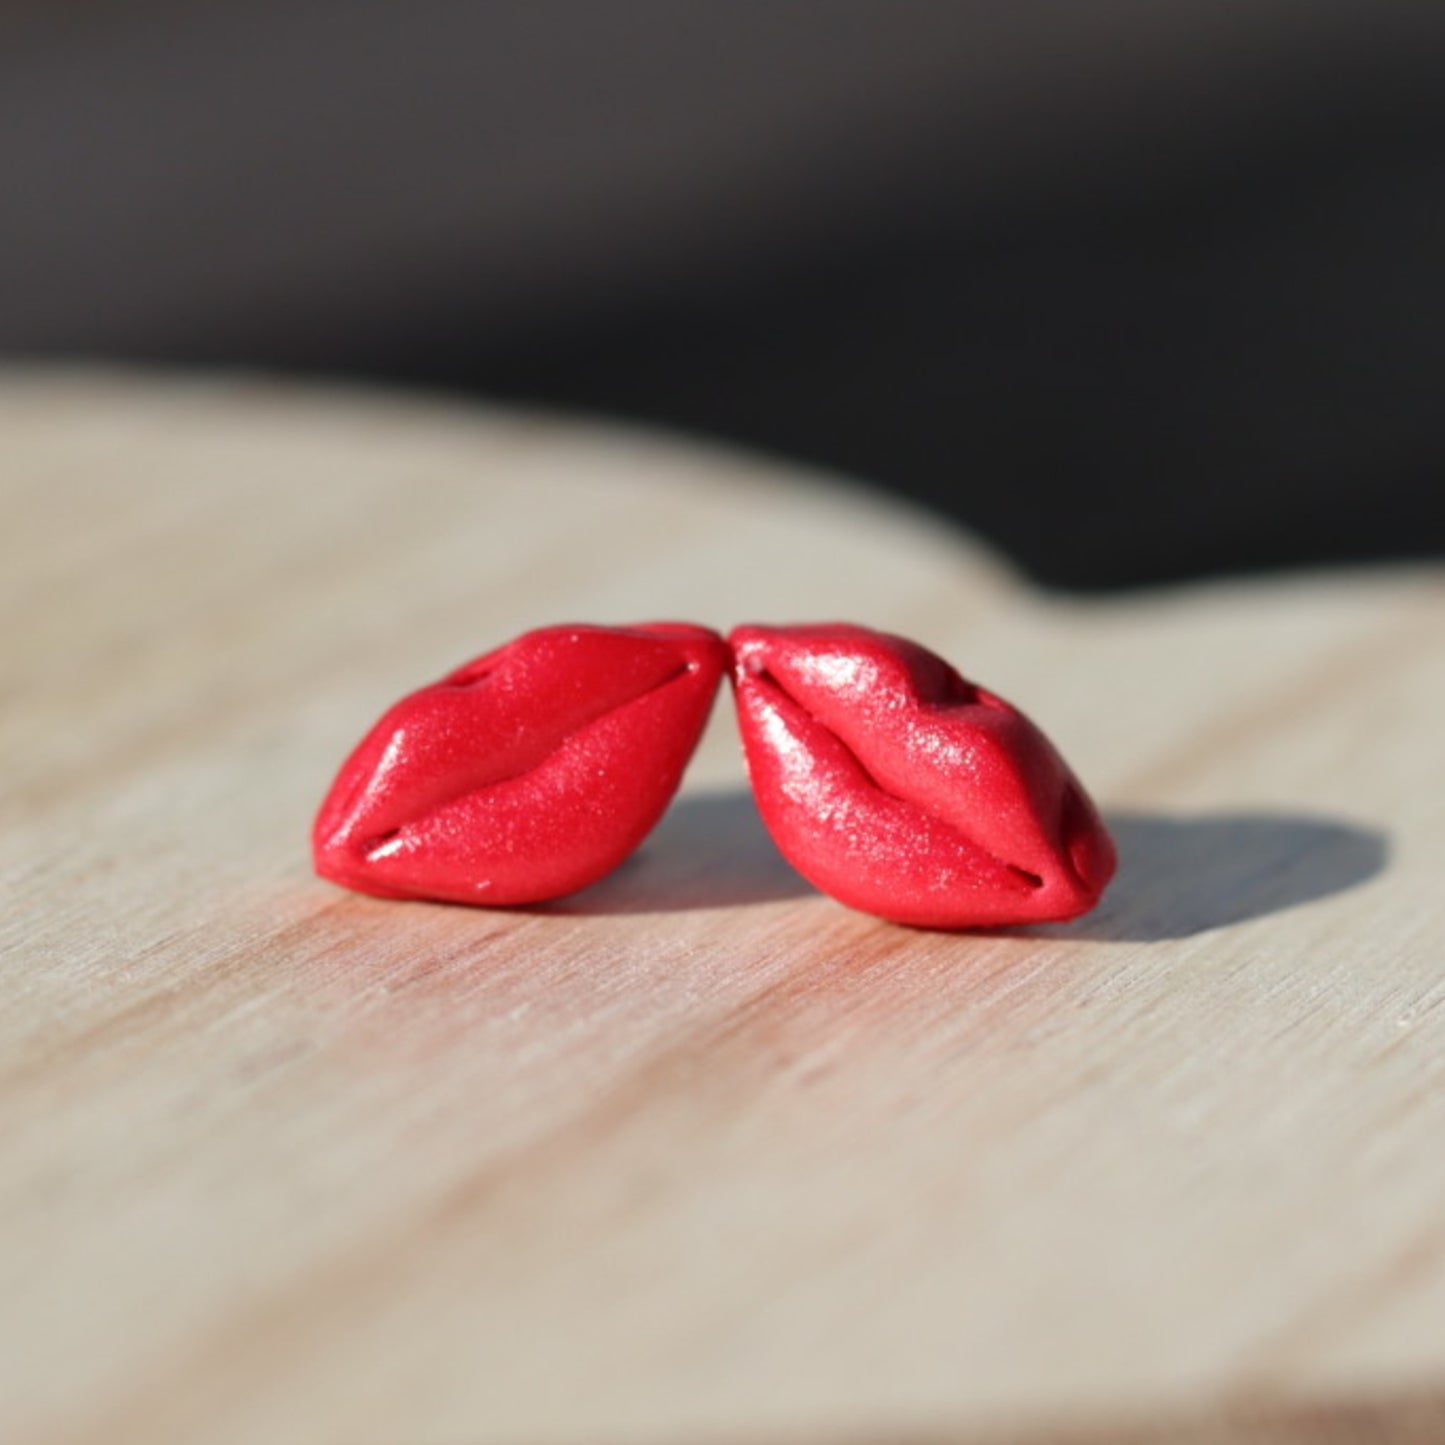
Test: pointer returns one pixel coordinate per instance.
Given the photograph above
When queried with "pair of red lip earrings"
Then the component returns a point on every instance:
(886, 779)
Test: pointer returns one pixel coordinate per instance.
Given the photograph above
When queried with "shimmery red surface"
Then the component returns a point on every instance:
(526, 774)
(903, 790)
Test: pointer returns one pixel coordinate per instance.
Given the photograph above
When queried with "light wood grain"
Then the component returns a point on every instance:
(697, 1155)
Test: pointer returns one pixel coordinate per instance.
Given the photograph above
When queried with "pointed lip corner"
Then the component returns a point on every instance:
(331, 826)
(332, 858)
(1088, 854)
(1100, 870)
(335, 849)
(700, 649)
(1073, 887)
(756, 646)
(749, 650)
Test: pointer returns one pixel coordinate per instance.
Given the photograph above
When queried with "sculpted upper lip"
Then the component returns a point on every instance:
(900, 787)
(518, 776)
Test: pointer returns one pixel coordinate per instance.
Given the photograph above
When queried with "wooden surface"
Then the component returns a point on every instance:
(697, 1156)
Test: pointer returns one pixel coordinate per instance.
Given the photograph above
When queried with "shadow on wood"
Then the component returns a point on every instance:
(710, 851)
(1182, 875)
(1178, 875)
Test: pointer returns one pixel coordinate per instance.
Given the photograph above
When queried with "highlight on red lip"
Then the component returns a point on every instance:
(525, 774)
(902, 789)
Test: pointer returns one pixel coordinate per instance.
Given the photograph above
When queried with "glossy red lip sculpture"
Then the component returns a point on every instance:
(902, 790)
(528, 773)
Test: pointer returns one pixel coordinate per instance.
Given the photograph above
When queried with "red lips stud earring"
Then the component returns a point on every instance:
(905, 791)
(527, 774)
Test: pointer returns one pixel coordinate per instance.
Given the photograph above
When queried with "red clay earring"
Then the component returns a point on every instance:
(905, 791)
(526, 774)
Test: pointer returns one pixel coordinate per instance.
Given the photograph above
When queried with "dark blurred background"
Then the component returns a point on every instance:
(1139, 289)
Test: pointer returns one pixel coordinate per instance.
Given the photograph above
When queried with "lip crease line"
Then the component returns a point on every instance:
(384, 841)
